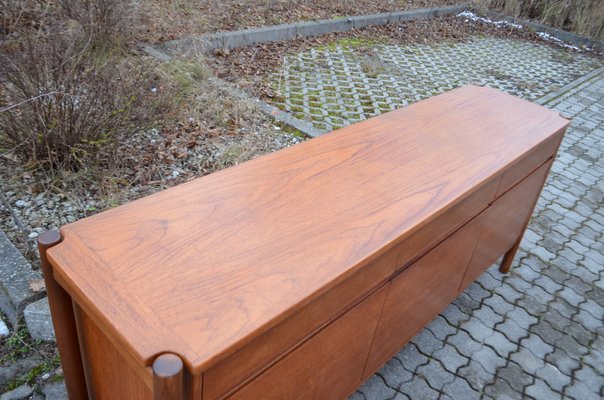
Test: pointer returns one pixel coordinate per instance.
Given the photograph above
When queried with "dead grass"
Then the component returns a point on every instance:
(583, 17)
(163, 20)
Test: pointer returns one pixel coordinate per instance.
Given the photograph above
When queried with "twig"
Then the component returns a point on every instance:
(28, 100)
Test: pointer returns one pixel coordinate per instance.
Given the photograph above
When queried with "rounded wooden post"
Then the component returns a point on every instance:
(63, 321)
(168, 377)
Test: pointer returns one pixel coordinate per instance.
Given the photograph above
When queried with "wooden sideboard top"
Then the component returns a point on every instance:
(203, 268)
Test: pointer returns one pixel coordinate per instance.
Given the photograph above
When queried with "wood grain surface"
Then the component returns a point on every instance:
(202, 269)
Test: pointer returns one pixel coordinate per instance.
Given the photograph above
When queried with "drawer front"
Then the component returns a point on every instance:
(529, 163)
(328, 366)
(420, 292)
(243, 365)
(421, 241)
(503, 223)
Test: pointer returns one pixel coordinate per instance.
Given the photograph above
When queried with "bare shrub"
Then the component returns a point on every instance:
(105, 22)
(64, 105)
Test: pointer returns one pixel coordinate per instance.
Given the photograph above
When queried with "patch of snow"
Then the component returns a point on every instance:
(547, 36)
(470, 16)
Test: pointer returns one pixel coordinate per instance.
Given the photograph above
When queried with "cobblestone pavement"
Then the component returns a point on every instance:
(345, 82)
(537, 332)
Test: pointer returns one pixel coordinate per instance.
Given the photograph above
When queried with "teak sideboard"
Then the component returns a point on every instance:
(298, 274)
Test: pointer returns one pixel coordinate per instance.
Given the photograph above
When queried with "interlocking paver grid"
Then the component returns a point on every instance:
(537, 332)
(339, 84)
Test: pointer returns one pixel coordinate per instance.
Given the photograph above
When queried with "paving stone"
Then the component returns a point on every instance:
(464, 344)
(571, 346)
(509, 293)
(39, 321)
(554, 378)
(536, 303)
(546, 331)
(557, 320)
(540, 390)
(22, 392)
(528, 361)
(440, 328)
(477, 329)
(512, 330)
(562, 307)
(450, 357)
(418, 389)
(393, 373)
(572, 297)
(595, 358)
(501, 390)
(476, 375)
(596, 310)
(460, 389)
(411, 358)
(563, 361)
(454, 315)
(16, 274)
(435, 374)
(537, 346)
(515, 376)
(580, 391)
(548, 284)
(477, 292)
(590, 377)
(426, 342)
(488, 317)
(375, 388)
(521, 317)
(498, 304)
(501, 344)
(490, 281)
(587, 320)
(466, 304)
(581, 335)
(489, 360)
(55, 391)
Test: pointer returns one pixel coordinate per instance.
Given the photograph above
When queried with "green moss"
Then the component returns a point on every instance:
(352, 42)
(30, 376)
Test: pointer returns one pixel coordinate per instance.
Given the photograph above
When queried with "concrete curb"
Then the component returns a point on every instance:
(565, 36)
(570, 86)
(280, 33)
(16, 277)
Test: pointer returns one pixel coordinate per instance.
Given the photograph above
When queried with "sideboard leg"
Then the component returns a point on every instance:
(64, 322)
(168, 377)
(504, 267)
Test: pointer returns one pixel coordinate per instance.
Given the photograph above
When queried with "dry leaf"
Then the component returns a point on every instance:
(37, 285)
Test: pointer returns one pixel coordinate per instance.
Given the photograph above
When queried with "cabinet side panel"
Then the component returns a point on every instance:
(109, 374)
(503, 223)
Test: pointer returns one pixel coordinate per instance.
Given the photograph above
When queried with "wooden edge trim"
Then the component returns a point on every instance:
(63, 320)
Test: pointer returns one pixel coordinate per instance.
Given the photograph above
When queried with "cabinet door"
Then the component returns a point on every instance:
(420, 292)
(504, 221)
(327, 366)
